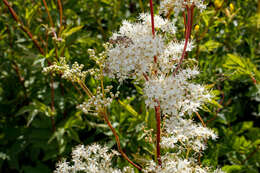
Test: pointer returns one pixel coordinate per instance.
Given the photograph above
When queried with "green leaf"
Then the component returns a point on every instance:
(129, 108)
(241, 66)
(50, 53)
(234, 61)
(210, 46)
(31, 117)
(74, 135)
(139, 89)
(72, 31)
(232, 168)
(215, 103)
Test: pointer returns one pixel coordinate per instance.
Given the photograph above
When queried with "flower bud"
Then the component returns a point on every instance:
(218, 3)
(231, 7)
(197, 27)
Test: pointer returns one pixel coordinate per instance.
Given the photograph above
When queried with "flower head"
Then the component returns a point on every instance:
(179, 5)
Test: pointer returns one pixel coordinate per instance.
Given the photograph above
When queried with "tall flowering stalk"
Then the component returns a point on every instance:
(142, 51)
(157, 108)
(188, 27)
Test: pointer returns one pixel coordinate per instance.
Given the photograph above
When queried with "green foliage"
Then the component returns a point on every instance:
(34, 136)
(229, 58)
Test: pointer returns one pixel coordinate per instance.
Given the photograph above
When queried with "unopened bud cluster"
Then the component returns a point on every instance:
(74, 73)
(101, 100)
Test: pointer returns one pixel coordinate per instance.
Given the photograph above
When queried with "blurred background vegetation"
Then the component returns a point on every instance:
(39, 122)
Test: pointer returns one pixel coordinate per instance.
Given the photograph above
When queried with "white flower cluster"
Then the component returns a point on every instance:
(135, 52)
(187, 133)
(160, 23)
(179, 5)
(73, 73)
(90, 159)
(134, 47)
(171, 163)
(99, 101)
(176, 94)
(132, 55)
(171, 55)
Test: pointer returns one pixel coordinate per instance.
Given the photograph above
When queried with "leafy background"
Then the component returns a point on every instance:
(33, 137)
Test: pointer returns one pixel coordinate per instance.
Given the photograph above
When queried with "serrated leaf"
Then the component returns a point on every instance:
(234, 61)
(210, 46)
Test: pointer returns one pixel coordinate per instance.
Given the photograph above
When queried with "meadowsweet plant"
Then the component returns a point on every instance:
(147, 52)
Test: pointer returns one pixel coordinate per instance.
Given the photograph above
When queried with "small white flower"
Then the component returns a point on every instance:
(90, 159)
(134, 47)
(176, 94)
(178, 5)
(190, 133)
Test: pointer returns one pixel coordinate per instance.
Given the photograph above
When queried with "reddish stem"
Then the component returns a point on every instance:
(21, 25)
(36, 43)
(187, 36)
(61, 16)
(191, 22)
(158, 135)
(52, 25)
(253, 79)
(201, 120)
(48, 12)
(185, 22)
(152, 16)
(152, 21)
(157, 108)
(118, 142)
(146, 77)
(21, 79)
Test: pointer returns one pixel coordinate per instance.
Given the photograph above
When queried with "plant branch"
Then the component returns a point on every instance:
(157, 108)
(40, 49)
(21, 79)
(49, 15)
(187, 36)
(118, 141)
(85, 89)
(152, 17)
(52, 25)
(201, 120)
(103, 112)
(61, 16)
(152, 22)
(24, 28)
(158, 132)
